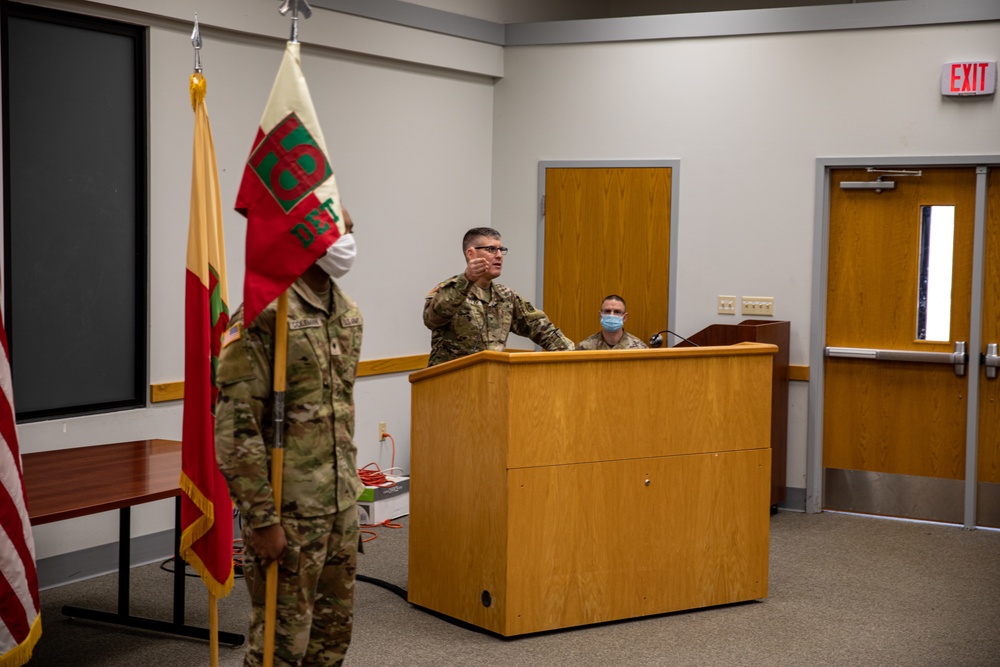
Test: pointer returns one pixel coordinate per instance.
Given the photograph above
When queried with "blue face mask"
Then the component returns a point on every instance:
(612, 323)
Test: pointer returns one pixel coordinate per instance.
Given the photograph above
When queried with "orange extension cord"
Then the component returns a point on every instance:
(377, 477)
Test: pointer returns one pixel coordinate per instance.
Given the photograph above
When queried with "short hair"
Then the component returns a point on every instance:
(474, 233)
(614, 297)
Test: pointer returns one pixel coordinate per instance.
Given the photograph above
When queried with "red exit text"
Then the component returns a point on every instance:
(969, 78)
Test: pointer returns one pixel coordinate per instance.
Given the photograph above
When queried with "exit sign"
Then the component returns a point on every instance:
(969, 78)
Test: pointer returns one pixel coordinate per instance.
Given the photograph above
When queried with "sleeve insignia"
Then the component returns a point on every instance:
(232, 334)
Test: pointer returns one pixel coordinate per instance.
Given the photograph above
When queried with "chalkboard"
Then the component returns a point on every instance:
(75, 223)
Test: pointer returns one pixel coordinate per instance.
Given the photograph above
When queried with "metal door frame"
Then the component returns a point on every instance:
(817, 343)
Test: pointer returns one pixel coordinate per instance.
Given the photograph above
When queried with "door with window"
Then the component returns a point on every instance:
(904, 290)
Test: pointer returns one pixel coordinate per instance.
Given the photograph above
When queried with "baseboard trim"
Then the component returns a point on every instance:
(795, 500)
(96, 561)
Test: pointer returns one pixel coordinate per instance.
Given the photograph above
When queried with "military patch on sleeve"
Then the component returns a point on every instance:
(307, 323)
(346, 321)
(232, 333)
(434, 291)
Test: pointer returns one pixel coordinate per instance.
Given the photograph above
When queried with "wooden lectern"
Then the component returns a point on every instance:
(554, 489)
(775, 332)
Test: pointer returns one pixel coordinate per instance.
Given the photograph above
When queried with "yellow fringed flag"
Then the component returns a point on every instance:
(206, 509)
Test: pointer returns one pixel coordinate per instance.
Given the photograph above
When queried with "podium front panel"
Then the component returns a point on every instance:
(637, 406)
(598, 542)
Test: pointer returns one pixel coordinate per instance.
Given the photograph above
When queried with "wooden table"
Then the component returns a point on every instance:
(70, 483)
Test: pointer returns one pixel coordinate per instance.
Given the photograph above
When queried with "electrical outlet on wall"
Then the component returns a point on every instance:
(758, 305)
(727, 305)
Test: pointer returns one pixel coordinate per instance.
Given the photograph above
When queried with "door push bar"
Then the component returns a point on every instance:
(958, 358)
(991, 361)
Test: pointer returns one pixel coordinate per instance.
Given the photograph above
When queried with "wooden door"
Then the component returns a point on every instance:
(607, 231)
(894, 432)
(988, 465)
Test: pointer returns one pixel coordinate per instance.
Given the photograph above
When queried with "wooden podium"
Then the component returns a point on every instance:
(775, 332)
(554, 489)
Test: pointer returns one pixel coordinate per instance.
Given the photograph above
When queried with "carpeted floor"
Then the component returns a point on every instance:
(844, 590)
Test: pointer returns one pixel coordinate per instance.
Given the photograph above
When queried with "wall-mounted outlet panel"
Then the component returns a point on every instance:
(727, 305)
(758, 305)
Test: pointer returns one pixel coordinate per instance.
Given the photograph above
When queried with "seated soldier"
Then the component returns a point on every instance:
(612, 335)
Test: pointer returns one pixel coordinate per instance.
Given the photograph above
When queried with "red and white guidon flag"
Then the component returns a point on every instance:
(288, 192)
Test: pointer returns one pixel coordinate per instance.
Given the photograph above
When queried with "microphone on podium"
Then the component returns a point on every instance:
(656, 340)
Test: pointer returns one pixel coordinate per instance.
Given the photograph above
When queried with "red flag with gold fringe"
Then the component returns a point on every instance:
(206, 508)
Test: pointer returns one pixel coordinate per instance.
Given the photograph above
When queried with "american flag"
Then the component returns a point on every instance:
(19, 609)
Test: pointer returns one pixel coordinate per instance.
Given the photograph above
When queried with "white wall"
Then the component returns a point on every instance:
(411, 144)
(747, 117)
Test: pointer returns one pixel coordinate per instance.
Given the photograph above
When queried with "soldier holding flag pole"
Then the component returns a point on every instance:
(285, 410)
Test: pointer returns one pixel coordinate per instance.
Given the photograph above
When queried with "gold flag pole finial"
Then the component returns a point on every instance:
(295, 6)
(197, 83)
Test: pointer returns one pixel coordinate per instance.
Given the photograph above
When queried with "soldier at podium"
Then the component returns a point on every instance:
(612, 335)
(469, 312)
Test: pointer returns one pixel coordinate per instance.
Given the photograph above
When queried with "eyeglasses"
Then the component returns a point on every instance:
(492, 249)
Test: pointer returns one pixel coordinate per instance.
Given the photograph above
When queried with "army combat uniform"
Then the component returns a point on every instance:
(465, 318)
(320, 480)
(597, 342)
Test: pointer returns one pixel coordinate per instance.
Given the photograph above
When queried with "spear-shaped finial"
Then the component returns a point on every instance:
(197, 82)
(296, 7)
(196, 43)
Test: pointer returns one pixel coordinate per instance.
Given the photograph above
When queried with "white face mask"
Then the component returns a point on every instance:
(339, 257)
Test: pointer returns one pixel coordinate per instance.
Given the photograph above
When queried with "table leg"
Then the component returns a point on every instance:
(124, 557)
(179, 567)
(123, 617)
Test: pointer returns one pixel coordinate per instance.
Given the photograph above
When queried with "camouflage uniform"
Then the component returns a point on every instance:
(597, 342)
(465, 318)
(320, 479)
